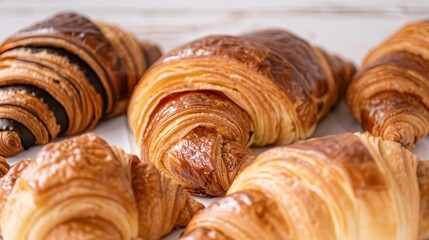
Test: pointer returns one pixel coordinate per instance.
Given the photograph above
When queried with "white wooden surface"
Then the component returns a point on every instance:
(346, 27)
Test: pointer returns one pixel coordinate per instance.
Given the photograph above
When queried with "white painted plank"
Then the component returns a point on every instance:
(352, 35)
(305, 5)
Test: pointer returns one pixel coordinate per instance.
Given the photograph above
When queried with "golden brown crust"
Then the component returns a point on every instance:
(10, 143)
(63, 80)
(334, 187)
(195, 113)
(207, 158)
(281, 57)
(81, 177)
(84, 188)
(86, 228)
(137, 57)
(55, 70)
(7, 182)
(251, 208)
(151, 52)
(389, 96)
(423, 177)
(4, 167)
(162, 204)
(82, 37)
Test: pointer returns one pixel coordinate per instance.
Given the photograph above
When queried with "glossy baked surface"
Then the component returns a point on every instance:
(389, 96)
(198, 109)
(350, 28)
(62, 75)
(84, 188)
(334, 187)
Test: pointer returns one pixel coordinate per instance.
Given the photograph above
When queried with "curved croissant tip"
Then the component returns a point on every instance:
(4, 167)
(402, 133)
(152, 51)
(348, 69)
(191, 208)
(10, 143)
(351, 70)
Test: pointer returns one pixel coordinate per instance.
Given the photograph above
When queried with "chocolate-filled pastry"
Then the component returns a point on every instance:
(195, 113)
(63, 75)
(348, 186)
(390, 95)
(84, 188)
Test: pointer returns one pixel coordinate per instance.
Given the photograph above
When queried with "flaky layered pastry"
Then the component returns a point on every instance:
(348, 186)
(63, 75)
(195, 113)
(390, 95)
(4, 167)
(84, 188)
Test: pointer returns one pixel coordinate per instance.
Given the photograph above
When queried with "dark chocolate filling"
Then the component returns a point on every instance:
(27, 138)
(53, 105)
(89, 73)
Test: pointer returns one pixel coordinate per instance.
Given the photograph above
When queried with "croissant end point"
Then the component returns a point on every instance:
(152, 51)
(402, 133)
(350, 70)
(4, 167)
(192, 207)
(10, 143)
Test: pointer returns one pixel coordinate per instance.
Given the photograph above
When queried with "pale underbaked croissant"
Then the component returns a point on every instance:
(390, 96)
(84, 188)
(195, 112)
(63, 75)
(348, 186)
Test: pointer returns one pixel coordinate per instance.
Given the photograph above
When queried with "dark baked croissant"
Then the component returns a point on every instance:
(64, 74)
(84, 188)
(196, 111)
(348, 186)
(390, 96)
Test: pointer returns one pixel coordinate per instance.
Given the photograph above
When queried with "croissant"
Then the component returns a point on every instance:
(390, 95)
(84, 188)
(63, 75)
(196, 111)
(4, 167)
(348, 186)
